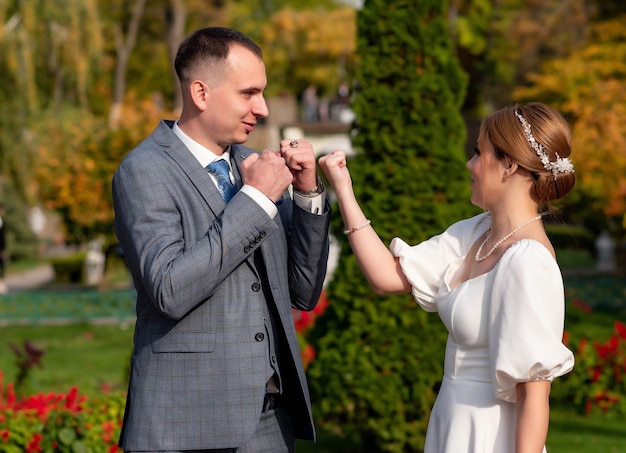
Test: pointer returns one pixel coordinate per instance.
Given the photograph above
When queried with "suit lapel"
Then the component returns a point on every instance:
(198, 176)
(237, 155)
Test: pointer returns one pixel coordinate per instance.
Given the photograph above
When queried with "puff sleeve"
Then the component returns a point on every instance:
(425, 264)
(527, 316)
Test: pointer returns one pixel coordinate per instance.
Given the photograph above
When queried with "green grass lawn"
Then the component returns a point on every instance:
(568, 433)
(574, 433)
(87, 356)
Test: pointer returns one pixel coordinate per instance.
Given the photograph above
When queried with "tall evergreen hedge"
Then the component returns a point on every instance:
(379, 359)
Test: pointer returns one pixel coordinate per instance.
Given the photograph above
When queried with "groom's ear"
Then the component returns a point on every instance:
(199, 92)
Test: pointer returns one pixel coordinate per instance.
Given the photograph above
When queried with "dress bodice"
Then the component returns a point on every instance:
(466, 317)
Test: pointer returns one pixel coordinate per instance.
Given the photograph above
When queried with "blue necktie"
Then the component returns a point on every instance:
(220, 169)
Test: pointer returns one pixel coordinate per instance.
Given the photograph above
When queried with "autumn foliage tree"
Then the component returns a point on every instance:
(310, 47)
(59, 78)
(589, 88)
(81, 154)
(83, 85)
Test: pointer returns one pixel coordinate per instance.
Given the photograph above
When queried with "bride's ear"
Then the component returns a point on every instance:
(511, 168)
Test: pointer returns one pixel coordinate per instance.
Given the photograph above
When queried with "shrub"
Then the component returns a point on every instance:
(69, 269)
(59, 423)
(597, 384)
(379, 359)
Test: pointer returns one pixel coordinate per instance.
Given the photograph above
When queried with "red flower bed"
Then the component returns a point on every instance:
(58, 422)
(597, 382)
(303, 321)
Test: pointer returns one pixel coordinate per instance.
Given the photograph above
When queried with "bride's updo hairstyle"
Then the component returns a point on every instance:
(538, 139)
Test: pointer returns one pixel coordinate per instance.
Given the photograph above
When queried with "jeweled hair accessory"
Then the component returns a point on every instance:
(560, 165)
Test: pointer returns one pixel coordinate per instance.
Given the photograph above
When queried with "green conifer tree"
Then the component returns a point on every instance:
(379, 359)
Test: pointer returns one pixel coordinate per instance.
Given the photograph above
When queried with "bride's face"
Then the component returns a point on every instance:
(486, 173)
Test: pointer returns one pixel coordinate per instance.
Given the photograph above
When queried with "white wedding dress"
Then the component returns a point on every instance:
(505, 327)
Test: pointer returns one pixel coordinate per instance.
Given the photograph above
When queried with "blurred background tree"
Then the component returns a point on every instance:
(78, 76)
(569, 54)
(373, 378)
(84, 83)
(589, 87)
(499, 41)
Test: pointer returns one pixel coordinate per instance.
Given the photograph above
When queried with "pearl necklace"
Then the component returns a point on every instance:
(499, 243)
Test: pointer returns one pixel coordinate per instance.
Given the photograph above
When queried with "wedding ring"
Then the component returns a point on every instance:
(293, 144)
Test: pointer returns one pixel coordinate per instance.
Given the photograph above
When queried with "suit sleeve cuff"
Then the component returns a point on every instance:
(314, 205)
(266, 204)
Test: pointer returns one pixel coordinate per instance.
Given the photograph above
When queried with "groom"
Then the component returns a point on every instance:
(216, 363)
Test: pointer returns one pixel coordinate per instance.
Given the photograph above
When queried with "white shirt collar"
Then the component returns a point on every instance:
(202, 154)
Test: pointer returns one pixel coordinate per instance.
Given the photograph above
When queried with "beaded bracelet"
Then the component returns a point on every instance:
(360, 227)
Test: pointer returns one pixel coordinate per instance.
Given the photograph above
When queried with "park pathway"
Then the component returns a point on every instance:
(29, 279)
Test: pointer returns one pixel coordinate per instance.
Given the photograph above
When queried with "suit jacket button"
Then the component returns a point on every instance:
(256, 287)
(259, 336)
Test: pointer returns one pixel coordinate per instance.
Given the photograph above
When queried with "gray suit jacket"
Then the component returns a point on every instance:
(200, 359)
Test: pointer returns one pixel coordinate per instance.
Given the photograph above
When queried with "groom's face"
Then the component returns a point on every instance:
(235, 98)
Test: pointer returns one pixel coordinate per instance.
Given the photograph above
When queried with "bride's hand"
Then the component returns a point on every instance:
(335, 169)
